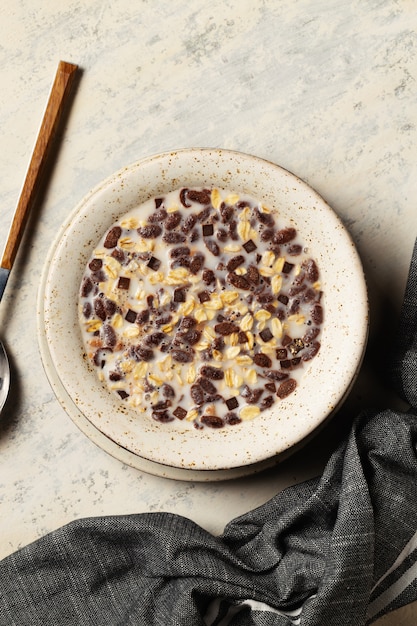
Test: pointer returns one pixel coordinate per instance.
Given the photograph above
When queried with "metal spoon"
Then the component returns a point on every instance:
(61, 87)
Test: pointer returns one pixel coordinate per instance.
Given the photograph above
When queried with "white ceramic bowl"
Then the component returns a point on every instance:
(172, 449)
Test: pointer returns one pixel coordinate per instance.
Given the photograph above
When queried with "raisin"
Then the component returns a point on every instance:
(266, 403)
(242, 337)
(162, 416)
(154, 339)
(232, 418)
(188, 322)
(178, 252)
(99, 309)
(189, 223)
(235, 262)
(173, 237)
(212, 246)
(311, 334)
(197, 394)
(267, 234)
(317, 314)
(202, 197)
(115, 376)
(86, 287)
(141, 353)
(196, 263)
(214, 373)
(108, 336)
(173, 220)
(226, 328)
(226, 212)
(206, 385)
(311, 351)
(213, 421)
(253, 275)
(208, 276)
(182, 356)
(262, 360)
(95, 265)
(251, 395)
(311, 270)
(222, 235)
(294, 250)
(286, 388)
(112, 237)
(168, 391)
(158, 216)
(192, 336)
(218, 344)
(143, 317)
(238, 281)
(150, 231)
(275, 375)
(183, 198)
(265, 218)
(284, 236)
(87, 310)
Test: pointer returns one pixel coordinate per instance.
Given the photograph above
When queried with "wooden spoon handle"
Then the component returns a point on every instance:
(60, 90)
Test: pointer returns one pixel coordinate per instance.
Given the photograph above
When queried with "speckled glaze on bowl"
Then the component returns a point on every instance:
(170, 449)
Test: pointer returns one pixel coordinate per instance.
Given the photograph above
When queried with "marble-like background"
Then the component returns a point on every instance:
(325, 88)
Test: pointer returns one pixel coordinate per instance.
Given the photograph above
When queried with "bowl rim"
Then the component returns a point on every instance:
(250, 443)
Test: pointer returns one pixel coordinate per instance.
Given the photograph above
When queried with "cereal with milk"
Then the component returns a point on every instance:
(200, 305)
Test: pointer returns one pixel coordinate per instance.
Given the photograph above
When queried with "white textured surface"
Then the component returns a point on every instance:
(326, 89)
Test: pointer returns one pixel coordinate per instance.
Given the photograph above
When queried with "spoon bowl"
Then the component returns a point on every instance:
(4, 376)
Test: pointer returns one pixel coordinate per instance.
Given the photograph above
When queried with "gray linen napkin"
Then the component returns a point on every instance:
(339, 550)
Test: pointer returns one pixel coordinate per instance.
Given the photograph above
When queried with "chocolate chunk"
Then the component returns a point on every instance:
(270, 387)
(112, 237)
(275, 375)
(208, 230)
(114, 376)
(281, 353)
(296, 345)
(204, 296)
(238, 281)
(214, 373)
(286, 388)
(226, 328)
(284, 236)
(283, 298)
(123, 394)
(242, 337)
(150, 231)
(99, 358)
(179, 413)
(182, 356)
(262, 360)
(266, 335)
(285, 364)
(232, 403)
(212, 246)
(250, 246)
(213, 421)
(208, 276)
(173, 236)
(172, 220)
(235, 262)
(180, 294)
(158, 202)
(123, 283)
(154, 263)
(218, 344)
(287, 267)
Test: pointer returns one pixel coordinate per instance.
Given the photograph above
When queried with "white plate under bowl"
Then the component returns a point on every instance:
(171, 449)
